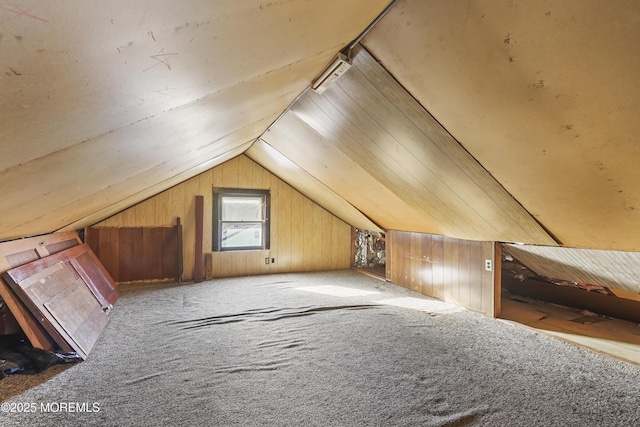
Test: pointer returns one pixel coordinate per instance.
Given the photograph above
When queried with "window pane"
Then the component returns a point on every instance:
(236, 208)
(241, 235)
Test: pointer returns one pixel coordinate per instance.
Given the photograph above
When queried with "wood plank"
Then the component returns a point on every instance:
(145, 212)
(56, 247)
(405, 238)
(245, 172)
(37, 243)
(285, 238)
(97, 279)
(199, 240)
(326, 237)
(59, 297)
(19, 252)
(573, 297)
(21, 258)
(426, 271)
(126, 236)
(389, 250)
(516, 220)
(180, 243)
(316, 237)
(476, 267)
(297, 232)
(488, 280)
(77, 312)
(437, 257)
(448, 274)
(164, 209)
(154, 257)
(89, 268)
(208, 266)
(192, 187)
(155, 252)
(110, 251)
(329, 165)
(169, 246)
(308, 234)
(230, 174)
(344, 243)
(206, 187)
(415, 259)
(374, 148)
(309, 185)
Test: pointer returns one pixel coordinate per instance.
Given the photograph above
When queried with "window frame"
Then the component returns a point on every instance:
(218, 195)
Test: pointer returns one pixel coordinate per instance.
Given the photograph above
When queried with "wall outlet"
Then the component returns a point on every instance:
(488, 264)
(266, 260)
(273, 260)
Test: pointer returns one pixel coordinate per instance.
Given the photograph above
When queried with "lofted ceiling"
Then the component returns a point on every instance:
(104, 104)
(482, 119)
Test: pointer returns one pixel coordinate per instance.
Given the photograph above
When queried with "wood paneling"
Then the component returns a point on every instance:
(304, 236)
(276, 162)
(372, 144)
(199, 240)
(19, 252)
(542, 94)
(442, 267)
(70, 293)
(136, 253)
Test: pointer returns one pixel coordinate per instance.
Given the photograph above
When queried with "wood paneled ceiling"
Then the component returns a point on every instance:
(103, 104)
(107, 104)
(371, 143)
(544, 94)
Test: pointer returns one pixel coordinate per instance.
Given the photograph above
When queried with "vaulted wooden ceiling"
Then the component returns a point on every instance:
(483, 119)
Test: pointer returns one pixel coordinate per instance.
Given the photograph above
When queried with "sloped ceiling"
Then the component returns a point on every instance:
(103, 104)
(371, 143)
(106, 104)
(544, 94)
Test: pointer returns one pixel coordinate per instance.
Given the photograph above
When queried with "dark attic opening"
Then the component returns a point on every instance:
(369, 252)
(567, 306)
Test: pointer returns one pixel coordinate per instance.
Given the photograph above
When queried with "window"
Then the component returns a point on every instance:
(241, 219)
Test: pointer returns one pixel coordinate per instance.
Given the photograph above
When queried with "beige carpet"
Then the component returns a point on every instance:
(323, 349)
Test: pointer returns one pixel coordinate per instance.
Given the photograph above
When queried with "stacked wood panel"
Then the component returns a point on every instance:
(443, 267)
(304, 236)
(58, 291)
(137, 253)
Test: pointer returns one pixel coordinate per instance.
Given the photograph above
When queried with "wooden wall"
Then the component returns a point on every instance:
(450, 269)
(304, 236)
(137, 253)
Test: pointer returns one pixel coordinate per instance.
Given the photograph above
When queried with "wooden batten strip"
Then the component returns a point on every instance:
(199, 257)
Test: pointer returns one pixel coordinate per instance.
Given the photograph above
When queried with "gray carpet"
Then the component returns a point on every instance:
(284, 350)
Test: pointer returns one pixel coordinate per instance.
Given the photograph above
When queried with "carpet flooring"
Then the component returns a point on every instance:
(322, 349)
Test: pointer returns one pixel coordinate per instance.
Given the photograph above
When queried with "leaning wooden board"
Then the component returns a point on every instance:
(19, 252)
(70, 293)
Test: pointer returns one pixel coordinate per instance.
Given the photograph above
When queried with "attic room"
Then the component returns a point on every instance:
(408, 212)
